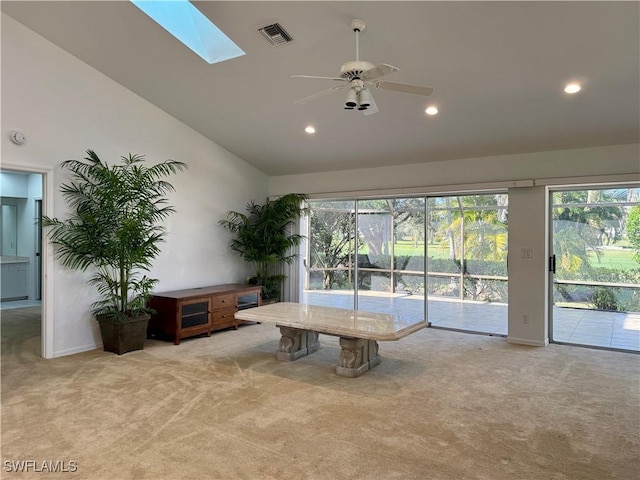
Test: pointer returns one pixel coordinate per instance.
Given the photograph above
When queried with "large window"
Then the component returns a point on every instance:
(387, 254)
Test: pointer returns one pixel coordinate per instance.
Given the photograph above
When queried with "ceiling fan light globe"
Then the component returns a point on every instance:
(364, 99)
(352, 98)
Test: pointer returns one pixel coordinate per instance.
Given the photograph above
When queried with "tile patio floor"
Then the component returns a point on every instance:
(617, 330)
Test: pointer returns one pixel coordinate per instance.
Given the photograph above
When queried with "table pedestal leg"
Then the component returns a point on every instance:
(357, 356)
(296, 343)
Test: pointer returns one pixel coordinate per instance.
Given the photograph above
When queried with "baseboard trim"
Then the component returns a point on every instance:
(527, 341)
(74, 350)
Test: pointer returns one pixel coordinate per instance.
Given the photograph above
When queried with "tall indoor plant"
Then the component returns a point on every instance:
(114, 228)
(263, 237)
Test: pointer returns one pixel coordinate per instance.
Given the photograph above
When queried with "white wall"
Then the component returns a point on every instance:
(528, 277)
(64, 107)
(609, 160)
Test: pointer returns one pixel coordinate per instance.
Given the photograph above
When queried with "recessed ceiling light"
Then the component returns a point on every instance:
(310, 129)
(572, 88)
(431, 110)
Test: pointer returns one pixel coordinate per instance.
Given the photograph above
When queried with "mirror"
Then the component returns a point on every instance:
(9, 223)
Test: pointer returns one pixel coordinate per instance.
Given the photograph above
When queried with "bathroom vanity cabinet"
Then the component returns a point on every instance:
(14, 278)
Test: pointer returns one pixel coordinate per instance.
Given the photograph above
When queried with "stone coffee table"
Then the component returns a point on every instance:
(359, 332)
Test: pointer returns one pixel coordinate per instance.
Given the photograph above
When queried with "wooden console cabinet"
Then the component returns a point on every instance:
(195, 311)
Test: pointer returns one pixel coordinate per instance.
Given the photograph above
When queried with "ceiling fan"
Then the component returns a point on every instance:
(358, 75)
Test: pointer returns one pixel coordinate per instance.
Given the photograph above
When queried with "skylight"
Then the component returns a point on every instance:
(185, 22)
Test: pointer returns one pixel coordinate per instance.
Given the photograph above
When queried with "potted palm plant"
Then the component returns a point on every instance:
(114, 228)
(263, 237)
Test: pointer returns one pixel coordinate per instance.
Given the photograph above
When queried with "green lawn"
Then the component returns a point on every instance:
(406, 248)
(620, 259)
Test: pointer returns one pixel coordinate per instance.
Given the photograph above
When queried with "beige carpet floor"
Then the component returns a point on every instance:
(441, 406)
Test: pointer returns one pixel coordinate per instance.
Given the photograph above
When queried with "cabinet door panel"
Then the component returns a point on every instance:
(195, 320)
(194, 313)
(249, 300)
(196, 308)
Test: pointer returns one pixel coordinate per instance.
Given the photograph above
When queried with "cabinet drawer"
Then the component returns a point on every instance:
(223, 317)
(224, 301)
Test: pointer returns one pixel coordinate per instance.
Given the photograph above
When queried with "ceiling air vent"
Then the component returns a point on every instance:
(275, 34)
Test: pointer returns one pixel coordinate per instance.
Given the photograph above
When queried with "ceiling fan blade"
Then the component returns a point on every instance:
(321, 93)
(379, 71)
(373, 108)
(405, 88)
(321, 78)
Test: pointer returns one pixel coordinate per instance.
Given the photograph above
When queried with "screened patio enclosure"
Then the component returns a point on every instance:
(444, 258)
(439, 258)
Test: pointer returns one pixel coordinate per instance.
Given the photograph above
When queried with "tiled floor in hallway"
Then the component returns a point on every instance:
(19, 304)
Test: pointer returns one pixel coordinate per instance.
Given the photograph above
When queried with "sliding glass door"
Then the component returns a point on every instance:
(385, 254)
(390, 256)
(596, 267)
(409, 255)
(467, 262)
(330, 260)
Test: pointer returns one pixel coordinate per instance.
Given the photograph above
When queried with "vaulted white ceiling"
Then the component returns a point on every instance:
(498, 70)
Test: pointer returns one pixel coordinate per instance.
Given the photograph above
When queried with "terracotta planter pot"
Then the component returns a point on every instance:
(123, 337)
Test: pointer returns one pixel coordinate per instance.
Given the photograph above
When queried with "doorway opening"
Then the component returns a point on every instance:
(21, 243)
